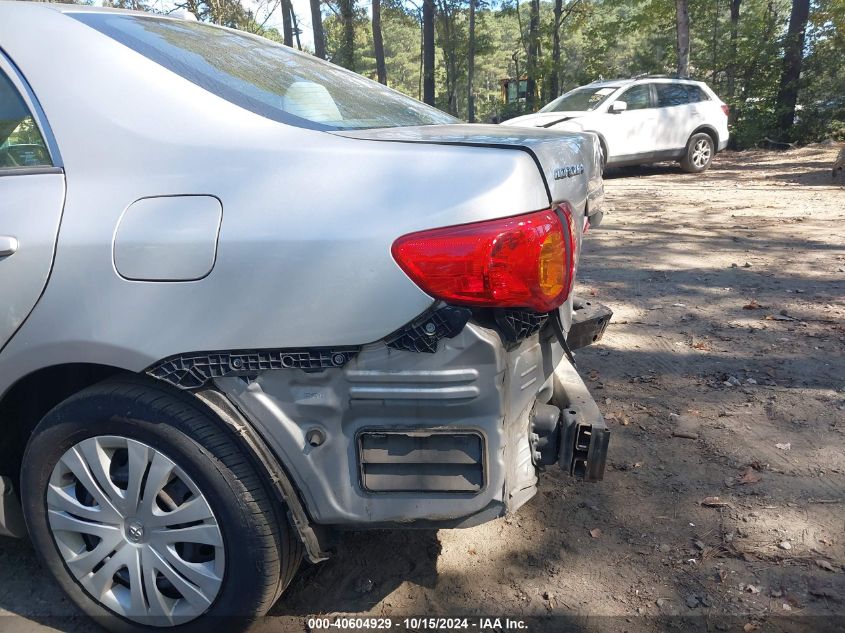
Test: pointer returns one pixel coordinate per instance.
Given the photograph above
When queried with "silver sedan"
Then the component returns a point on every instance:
(248, 298)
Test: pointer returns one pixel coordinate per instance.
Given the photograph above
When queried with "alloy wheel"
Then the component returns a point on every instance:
(135, 531)
(701, 153)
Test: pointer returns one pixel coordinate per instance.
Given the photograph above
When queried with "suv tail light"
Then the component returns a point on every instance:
(726, 109)
(524, 261)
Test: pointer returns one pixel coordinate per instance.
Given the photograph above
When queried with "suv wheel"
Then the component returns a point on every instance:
(699, 153)
(149, 514)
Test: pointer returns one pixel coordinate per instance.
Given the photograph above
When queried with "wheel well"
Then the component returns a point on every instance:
(29, 400)
(709, 131)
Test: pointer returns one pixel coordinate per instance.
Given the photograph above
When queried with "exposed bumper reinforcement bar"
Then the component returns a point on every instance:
(584, 436)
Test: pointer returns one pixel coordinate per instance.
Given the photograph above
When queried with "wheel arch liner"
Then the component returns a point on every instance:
(282, 486)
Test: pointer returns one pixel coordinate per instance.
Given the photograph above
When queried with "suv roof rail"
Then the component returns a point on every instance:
(663, 76)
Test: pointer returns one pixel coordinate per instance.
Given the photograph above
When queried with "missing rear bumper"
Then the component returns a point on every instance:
(584, 436)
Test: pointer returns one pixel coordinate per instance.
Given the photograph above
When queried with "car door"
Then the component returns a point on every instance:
(32, 189)
(629, 133)
(675, 116)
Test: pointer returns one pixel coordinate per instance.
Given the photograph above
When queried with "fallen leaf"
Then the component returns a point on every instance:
(824, 564)
(750, 627)
(784, 446)
(748, 477)
(595, 533)
(751, 305)
(713, 502)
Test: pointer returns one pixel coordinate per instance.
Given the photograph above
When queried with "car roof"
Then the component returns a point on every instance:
(621, 83)
(19, 5)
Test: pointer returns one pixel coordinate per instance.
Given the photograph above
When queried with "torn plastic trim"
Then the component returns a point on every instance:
(282, 486)
(423, 333)
(11, 515)
(194, 370)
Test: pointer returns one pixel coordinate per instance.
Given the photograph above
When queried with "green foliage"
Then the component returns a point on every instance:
(619, 38)
(598, 39)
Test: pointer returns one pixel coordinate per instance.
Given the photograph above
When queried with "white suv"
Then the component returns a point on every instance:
(642, 120)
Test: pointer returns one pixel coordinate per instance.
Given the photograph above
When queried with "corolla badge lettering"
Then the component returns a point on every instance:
(568, 171)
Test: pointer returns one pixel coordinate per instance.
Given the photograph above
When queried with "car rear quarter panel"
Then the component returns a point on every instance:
(308, 217)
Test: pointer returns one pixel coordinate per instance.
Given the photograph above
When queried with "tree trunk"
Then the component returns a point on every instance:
(554, 82)
(445, 21)
(296, 29)
(770, 22)
(682, 21)
(428, 51)
(731, 70)
(287, 27)
(471, 63)
(533, 55)
(793, 57)
(347, 48)
(378, 43)
(317, 25)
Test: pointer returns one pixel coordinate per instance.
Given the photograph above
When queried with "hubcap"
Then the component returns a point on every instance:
(701, 153)
(135, 531)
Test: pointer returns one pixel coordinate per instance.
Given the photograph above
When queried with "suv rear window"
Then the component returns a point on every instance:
(264, 77)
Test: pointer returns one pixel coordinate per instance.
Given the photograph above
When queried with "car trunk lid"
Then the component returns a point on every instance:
(568, 161)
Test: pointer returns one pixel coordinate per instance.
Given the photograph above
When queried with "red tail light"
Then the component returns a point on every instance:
(525, 261)
(726, 109)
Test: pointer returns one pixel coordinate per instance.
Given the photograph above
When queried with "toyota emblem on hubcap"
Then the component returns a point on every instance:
(135, 531)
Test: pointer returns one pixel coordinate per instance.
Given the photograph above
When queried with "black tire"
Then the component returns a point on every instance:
(262, 552)
(699, 153)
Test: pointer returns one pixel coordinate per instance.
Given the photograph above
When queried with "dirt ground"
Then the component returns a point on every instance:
(722, 376)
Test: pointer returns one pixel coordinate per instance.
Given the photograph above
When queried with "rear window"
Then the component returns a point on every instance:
(264, 77)
(21, 143)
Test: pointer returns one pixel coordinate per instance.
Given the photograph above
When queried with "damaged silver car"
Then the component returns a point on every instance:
(249, 300)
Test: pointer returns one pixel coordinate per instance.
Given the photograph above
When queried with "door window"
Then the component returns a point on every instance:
(21, 143)
(637, 97)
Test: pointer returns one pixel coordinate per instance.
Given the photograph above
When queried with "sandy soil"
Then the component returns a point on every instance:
(722, 376)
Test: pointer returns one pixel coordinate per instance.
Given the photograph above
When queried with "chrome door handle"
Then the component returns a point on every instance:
(8, 245)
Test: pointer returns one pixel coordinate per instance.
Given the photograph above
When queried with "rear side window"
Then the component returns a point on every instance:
(21, 143)
(679, 94)
(696, 94)
(671, 95)
(637, 97)
(264, 77)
